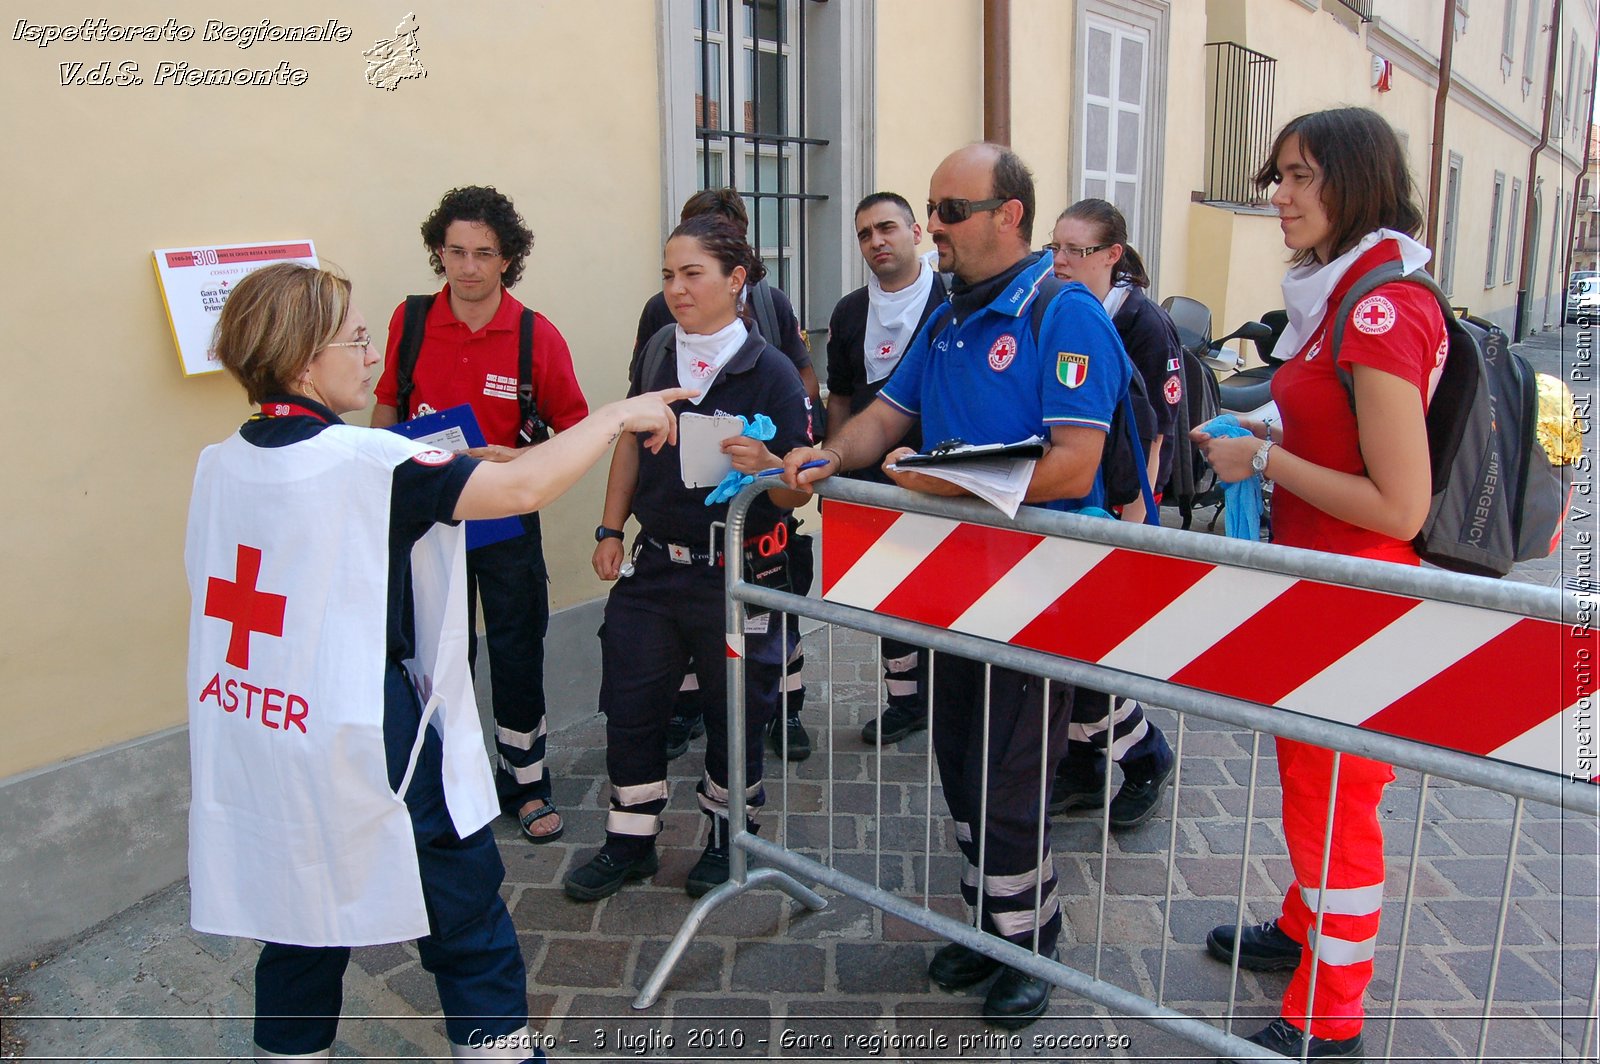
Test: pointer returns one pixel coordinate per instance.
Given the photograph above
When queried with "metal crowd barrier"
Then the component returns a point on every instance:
(1526, 752)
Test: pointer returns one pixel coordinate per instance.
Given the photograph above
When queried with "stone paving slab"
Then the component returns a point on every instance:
(766, 978)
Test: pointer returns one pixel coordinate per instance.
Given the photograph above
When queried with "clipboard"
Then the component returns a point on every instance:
(956, 452)
(455, 430)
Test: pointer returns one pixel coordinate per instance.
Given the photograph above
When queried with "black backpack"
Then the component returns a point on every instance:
(532, 427)
(1192, 483)
(1496, 498)
(1123, 468)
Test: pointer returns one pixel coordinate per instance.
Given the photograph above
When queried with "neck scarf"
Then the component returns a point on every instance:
(701, 356)
(1116, 297)
(1306, 289)
(892, 319)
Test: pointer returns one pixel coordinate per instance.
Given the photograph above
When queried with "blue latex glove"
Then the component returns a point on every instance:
(1242, 498)
(759, 428)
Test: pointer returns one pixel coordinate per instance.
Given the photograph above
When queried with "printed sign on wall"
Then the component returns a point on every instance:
(195, 282)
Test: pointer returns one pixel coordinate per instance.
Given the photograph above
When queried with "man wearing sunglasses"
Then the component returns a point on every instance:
(475, 343)
(976, 371)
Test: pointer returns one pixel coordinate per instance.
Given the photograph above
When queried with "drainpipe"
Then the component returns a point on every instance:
(1447, 49)
(1572, 220)
(1525, 275)
(997, 71)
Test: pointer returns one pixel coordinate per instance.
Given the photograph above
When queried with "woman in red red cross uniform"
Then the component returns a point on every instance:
(1352, 477)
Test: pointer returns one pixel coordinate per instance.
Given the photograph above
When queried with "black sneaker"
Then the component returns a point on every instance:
(898, 722)
(1076, 788)
(1263, 947)
(605, 873)
(795, 734)
(1284, 1038)
(1140, 793)
(679, 731)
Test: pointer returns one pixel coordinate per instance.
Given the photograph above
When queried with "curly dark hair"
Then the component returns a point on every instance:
(483, 204)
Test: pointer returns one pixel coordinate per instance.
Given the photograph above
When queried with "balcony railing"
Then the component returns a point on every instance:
(1362, 8)
(1239, 88)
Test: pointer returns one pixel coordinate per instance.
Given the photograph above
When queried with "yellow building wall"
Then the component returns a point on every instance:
(1042, 72)
(93, 639)
(928, 82)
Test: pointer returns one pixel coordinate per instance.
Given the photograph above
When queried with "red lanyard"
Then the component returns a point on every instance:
(291, 410)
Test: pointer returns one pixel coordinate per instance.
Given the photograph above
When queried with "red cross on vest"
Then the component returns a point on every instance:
(1375, 315)
(239, 603)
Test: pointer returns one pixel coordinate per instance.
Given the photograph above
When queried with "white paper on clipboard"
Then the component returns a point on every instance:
(700, 457)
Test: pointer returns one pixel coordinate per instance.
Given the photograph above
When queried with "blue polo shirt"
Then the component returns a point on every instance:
(982, 378)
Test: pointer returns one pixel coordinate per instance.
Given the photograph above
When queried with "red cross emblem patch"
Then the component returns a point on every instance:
(239, 603)
(885, 350)
(1374, 315)
(1002, 352)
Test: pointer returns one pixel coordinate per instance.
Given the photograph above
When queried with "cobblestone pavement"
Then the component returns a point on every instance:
(766, 978)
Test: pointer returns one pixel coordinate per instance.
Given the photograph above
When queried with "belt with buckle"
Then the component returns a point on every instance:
(681, 554)
(766, 545)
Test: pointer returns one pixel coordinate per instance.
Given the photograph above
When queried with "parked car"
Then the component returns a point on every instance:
(1583, 299)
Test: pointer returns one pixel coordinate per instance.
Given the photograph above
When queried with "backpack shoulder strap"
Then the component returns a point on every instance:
(654, 356)
(411, 329)
(1049, 288)
(1382, 274)
(765, 313)
(532, 428)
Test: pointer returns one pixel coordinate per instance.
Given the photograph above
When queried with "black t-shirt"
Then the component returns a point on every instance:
(1152, 345)
(656, 315)
(847, 361)
(423, 495)
(758, 380)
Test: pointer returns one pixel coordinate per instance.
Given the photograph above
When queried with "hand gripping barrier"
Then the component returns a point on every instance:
(1368, 658)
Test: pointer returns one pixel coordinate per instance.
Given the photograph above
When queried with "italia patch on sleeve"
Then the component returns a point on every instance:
(1072, 369)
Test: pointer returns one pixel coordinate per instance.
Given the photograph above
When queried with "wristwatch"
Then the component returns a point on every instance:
(1259, 461)
(602, 533)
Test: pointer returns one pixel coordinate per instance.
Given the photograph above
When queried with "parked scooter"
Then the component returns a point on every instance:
(1214, 382)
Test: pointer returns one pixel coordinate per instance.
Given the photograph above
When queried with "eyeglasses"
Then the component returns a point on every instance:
(365, 343)
(1071, 250)
(481, 255)
(952, 211)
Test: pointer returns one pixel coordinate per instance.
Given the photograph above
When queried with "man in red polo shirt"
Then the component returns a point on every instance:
(478, 242)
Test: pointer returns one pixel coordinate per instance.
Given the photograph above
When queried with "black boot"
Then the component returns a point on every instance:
(712, 868)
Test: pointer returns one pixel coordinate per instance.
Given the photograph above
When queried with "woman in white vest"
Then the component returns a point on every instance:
(341, 792)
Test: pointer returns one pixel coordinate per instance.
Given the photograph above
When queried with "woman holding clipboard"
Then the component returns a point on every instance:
(666, 609)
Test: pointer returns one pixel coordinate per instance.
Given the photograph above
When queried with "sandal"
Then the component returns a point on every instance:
(527, 820)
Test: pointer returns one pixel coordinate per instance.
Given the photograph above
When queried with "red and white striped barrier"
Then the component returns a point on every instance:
(1476, 680)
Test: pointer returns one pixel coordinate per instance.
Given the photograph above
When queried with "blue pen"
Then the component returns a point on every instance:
(815, 463)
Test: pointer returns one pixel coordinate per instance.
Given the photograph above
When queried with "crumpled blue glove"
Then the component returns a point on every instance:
(1241, 499)
(759, 428)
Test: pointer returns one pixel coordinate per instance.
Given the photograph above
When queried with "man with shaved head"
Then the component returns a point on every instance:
(980, 371)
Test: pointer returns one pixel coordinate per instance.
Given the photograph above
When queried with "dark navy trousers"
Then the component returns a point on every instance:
(658, 621)
(510, 579)
(471, 948)
(1012, 881)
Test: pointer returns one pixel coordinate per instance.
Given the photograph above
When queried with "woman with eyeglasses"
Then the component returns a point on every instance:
(1090, 245)
(666, 609)
(1350, 462)
(341, 796)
